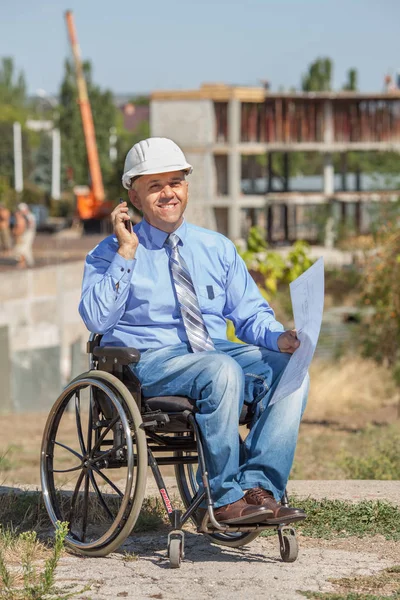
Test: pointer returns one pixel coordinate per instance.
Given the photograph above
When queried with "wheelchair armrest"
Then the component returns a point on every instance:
(124, 356)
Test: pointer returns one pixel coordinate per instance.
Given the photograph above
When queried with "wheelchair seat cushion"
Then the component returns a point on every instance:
(170, 404)
(173, 404)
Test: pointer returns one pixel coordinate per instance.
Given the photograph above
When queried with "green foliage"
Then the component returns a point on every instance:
(381, 294)
(351, 83)
(36, 585)
(364, 587)
(327, 519)
(269, 268)
(348, 596)
(104, 112)
(12, 86)
(375, 456)
(319, 76)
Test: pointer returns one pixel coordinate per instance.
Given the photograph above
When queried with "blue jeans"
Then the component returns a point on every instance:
(220, 381)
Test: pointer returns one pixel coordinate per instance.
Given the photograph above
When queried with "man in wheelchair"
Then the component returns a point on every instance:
(167, 288)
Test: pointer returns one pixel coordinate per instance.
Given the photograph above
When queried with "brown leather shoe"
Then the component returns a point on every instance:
(242, 512)
(277, 513)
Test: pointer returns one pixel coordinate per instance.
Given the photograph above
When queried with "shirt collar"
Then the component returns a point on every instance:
(158, 237)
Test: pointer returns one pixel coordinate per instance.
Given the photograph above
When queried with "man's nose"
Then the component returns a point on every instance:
(167, 192)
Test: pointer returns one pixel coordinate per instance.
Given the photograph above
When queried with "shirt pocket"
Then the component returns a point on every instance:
(211, 298)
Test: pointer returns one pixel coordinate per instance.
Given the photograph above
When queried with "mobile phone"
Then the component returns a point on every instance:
(128, 224)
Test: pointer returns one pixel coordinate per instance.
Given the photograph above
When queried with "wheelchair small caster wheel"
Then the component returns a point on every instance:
(175, 549)
(289, 547)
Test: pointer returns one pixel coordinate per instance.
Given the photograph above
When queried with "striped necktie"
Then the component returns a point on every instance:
(193, 321)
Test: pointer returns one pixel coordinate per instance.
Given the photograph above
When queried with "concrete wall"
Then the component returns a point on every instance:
(191, 124)
(42, 337)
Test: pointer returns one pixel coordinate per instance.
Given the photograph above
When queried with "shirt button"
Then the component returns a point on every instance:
(129, 270)
(122, 268)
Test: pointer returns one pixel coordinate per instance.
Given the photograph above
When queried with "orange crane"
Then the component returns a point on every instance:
(91, 203)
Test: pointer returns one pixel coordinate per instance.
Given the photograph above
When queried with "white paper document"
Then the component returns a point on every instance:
(307, 295)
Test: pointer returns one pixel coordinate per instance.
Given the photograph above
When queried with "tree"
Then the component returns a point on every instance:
(74, 156)
(319, 76)
(351, 84)
(380, 335)
(12, 86)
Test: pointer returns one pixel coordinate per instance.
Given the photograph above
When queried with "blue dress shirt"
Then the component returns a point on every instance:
(141, 311)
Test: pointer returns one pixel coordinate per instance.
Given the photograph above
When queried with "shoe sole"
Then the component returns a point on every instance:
(249, 520)
(284, 520)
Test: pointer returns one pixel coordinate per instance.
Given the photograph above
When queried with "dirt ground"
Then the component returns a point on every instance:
(140, 569)
(210, 571)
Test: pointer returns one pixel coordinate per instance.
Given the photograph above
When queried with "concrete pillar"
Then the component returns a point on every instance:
(270, 174)
(234, 169)
(286, 171)
(329, 174)
(18, 174)
(270, 223)
(343, 168)
(328, 134)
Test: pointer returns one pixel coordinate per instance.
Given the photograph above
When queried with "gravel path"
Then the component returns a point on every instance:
(210, 571)
(140, 569)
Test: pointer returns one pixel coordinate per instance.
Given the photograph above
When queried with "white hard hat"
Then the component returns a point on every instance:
(154, 155)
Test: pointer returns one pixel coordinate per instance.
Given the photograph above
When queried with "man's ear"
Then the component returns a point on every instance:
(134, 198)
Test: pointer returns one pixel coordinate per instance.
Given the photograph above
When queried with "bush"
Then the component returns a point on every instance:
(381, 294)
(270, 269)
(377, 456)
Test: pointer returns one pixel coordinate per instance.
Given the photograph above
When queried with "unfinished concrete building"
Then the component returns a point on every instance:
(223, 129)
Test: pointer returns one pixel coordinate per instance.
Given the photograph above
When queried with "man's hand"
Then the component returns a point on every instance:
(127, 241)
(288, 342)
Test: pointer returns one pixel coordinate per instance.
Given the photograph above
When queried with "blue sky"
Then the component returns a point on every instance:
(140, 46)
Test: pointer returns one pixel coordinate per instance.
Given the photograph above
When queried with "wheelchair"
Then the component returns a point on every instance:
(101, 436)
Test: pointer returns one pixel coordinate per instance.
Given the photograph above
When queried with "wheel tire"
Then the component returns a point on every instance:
(127, 503)
(289, 548)
(187, 486)
(175, 553)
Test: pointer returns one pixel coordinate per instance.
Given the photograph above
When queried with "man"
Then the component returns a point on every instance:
(167, 289)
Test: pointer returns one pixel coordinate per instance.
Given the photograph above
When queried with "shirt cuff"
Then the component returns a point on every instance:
(272, 340)
(121, 269)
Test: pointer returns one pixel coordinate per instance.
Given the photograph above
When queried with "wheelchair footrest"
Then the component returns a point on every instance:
(154, 419)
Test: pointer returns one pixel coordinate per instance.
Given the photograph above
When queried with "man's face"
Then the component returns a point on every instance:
(162, 198)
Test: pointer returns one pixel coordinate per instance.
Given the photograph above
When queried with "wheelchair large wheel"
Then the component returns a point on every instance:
(187, 485)
(94, 463)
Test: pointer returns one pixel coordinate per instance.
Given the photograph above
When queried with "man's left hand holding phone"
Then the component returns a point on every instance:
(122, 225)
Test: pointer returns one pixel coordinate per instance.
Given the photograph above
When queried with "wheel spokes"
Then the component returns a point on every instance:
(100, 495)
(79, 422)
(104, 433)
(65, 470)
(69, 449)
(90, 422)
(109, 452)
(74, 498)
(85, 506)
(107, 480)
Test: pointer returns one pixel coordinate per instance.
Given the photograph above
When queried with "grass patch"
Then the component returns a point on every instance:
(328, 519)
(339, 397)
(152, 516)
(376, 455)
(331, 452)
(31, 579)
(384, 585)
(24, 511)
(6, 461)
